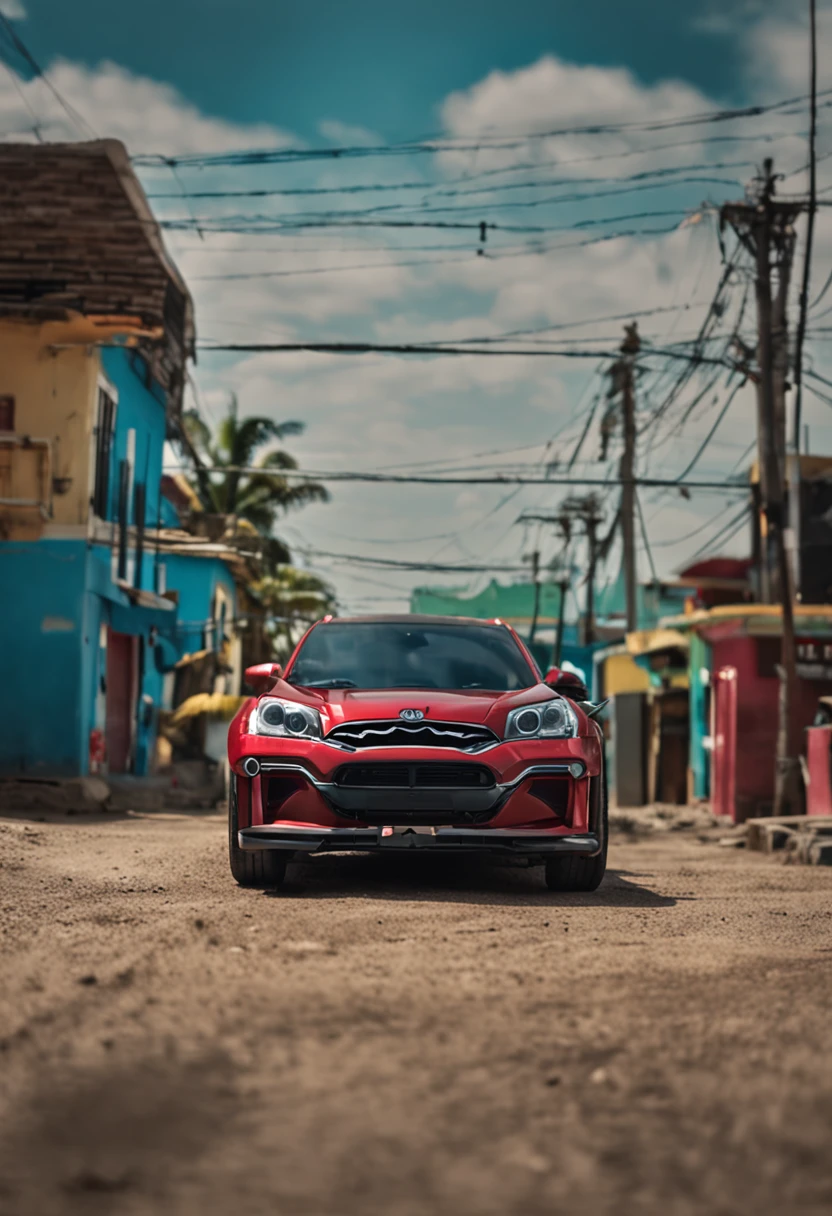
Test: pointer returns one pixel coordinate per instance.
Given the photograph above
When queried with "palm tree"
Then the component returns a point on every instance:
(291, 599)
(258, 497)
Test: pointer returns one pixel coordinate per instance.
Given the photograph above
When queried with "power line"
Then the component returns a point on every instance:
(245, 276)
(726, 533)
(495, 479)
(620, 316)
(27, 56)
(820, 396)
(645, 538)
(822, 292)
(529, 250)
(389, 563)
(679, 540)
(364, 348)
(446, 144)
(552, 200)
(335, 220)
(36, 124)
(713, 429)
(455, 187)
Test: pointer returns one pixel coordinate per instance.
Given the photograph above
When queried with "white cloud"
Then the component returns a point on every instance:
(13, 9)
(731, 18)
(345, 134)
(551, 95)
(778, 60)
(149, 116)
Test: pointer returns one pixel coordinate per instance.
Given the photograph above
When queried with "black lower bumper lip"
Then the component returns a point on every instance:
(438, 839)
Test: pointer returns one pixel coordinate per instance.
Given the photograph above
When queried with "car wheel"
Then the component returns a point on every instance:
(571, 871)
(265, 868)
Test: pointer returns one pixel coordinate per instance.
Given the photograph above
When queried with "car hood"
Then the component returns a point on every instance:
(354, 705)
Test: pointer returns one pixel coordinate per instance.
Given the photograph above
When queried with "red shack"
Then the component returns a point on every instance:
(744, 642)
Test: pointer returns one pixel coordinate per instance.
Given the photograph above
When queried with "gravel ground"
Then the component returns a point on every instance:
(411, 1036)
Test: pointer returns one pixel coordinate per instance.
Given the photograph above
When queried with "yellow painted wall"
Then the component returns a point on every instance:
(55, 395)
(622, 674)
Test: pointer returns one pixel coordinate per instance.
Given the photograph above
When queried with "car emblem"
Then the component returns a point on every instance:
(412, 715)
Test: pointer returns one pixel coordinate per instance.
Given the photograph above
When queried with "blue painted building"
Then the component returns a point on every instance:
(103, 590)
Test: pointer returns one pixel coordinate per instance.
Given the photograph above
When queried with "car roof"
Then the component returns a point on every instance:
(408, 619)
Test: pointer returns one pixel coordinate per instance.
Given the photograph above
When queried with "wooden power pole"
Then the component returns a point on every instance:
(765, 226)
(592, 518)
(622, 375)
(535, 560)
(587, 510)
(557, 649)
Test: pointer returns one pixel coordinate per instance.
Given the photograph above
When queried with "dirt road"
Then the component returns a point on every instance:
(404, 1036)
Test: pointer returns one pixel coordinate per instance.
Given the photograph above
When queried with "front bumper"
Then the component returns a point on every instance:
(531, 797)
(516, 842)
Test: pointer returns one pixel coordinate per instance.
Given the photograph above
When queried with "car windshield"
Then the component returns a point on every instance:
(399, 655)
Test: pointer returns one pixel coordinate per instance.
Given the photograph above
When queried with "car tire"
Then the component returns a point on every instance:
(571, 871)
(265, 868)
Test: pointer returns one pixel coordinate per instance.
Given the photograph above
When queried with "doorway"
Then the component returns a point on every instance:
(122, 673)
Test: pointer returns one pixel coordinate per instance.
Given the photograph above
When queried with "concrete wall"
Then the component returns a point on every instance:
(54, 391)
(197, 579)
(42, 626)
(140, 409)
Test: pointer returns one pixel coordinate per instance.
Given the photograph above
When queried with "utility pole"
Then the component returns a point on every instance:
(557, 649)
(592, 517)
(535, 560)
(765, 226)
(622, 376)
(586, 510)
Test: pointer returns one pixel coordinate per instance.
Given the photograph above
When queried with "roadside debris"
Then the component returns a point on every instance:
(802, 839)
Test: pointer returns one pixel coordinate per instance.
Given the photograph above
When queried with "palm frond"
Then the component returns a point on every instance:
(277, 459)
(251, 434)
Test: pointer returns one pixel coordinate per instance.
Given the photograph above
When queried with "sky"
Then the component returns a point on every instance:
(600, 225)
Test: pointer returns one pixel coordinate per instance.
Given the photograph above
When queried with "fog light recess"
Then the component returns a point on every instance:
(251, 766)
(576, 769)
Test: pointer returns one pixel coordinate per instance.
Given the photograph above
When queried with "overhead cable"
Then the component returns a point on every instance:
(452, 145)
(24, 52)
(458, 186)
(365, 348)
(493, 479)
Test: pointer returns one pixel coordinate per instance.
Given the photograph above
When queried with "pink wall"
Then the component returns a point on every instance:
(757, 702)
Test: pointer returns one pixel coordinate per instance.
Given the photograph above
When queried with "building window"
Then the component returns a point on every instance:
(103, 452)
(6, 413)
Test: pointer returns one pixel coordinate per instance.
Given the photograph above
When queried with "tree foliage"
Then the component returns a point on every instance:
(260, 496)
(290, 599)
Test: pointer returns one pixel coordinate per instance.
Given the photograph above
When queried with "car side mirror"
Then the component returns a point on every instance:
(261, 676)
(567, 684)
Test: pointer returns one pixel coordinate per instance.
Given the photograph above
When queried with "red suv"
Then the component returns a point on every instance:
(414, 732)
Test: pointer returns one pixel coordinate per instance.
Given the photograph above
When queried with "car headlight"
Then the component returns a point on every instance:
(285, 719)
(548, 720)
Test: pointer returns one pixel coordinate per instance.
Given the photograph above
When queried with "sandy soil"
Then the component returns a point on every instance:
(407, 1035)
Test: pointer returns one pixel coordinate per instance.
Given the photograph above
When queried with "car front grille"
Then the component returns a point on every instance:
(394, 733)
(414, 776)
